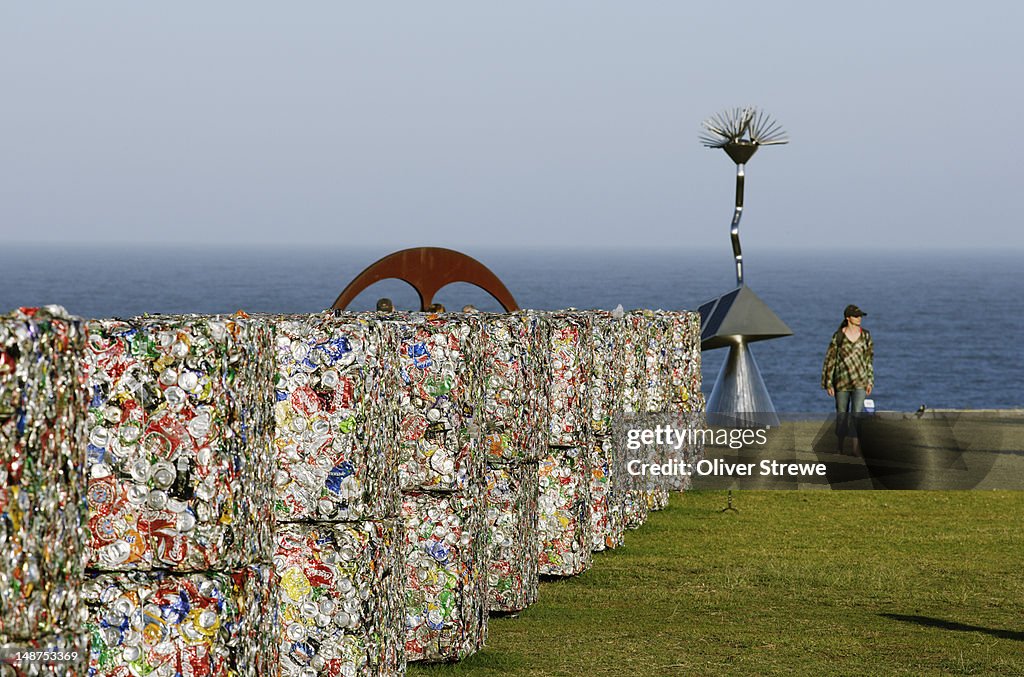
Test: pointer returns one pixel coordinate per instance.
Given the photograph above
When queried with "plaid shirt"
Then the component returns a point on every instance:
(849, 364)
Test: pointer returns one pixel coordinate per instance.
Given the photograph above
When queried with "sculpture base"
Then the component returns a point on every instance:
(740, 398)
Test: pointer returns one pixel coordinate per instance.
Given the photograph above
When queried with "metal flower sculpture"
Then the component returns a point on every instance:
(735, 319)
(740, 132)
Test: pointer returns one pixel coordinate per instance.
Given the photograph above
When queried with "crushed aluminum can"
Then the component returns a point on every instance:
(342, 597)
(337, 423)
(209, 624)
(43, 408)
(179, 443)
(446, 598)
(569, 364)
(563, 507)
(64, 654)
(439, 402)
(512, 572)
(515, 353)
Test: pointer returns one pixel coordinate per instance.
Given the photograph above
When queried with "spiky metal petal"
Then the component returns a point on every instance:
(742, 126)
(740, 132)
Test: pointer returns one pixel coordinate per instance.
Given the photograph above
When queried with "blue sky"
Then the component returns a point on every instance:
(467, 124)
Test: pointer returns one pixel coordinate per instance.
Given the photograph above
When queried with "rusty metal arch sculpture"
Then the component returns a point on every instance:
(428, 269)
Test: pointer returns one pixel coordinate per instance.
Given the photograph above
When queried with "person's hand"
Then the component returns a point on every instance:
(868, 390)
(832, 391)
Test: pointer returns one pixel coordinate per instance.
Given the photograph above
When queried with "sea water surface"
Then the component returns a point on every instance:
(947, 327)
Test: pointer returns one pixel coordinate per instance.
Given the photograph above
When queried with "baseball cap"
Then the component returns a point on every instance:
(853, 311)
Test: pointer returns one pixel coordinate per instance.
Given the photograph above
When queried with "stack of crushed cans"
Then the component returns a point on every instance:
(515, 420)
(606, 494)
(634, 336)
(328, 494)
(441, 476)
(42, 475)
(564, 473)
(338, 541)
(685, 406)
(655, 389)
(180, 488)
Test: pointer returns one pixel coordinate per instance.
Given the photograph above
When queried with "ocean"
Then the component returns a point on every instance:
(947, 326)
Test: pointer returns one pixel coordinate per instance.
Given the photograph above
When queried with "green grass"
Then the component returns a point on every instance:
(796, 583)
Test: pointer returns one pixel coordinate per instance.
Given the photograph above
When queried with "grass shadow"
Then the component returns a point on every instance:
(929, 622)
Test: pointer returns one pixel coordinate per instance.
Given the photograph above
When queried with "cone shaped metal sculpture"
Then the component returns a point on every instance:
(740, 397)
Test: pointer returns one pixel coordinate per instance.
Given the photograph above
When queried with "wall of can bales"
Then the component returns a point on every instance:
(313, 494)
(180, 497)
(43, 410)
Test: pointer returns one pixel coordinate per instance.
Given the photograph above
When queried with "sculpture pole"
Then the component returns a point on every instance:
(734, 231)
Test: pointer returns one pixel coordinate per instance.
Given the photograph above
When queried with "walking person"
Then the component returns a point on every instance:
(849, 374)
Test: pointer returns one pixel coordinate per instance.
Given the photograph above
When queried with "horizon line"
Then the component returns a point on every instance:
(723, 248)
